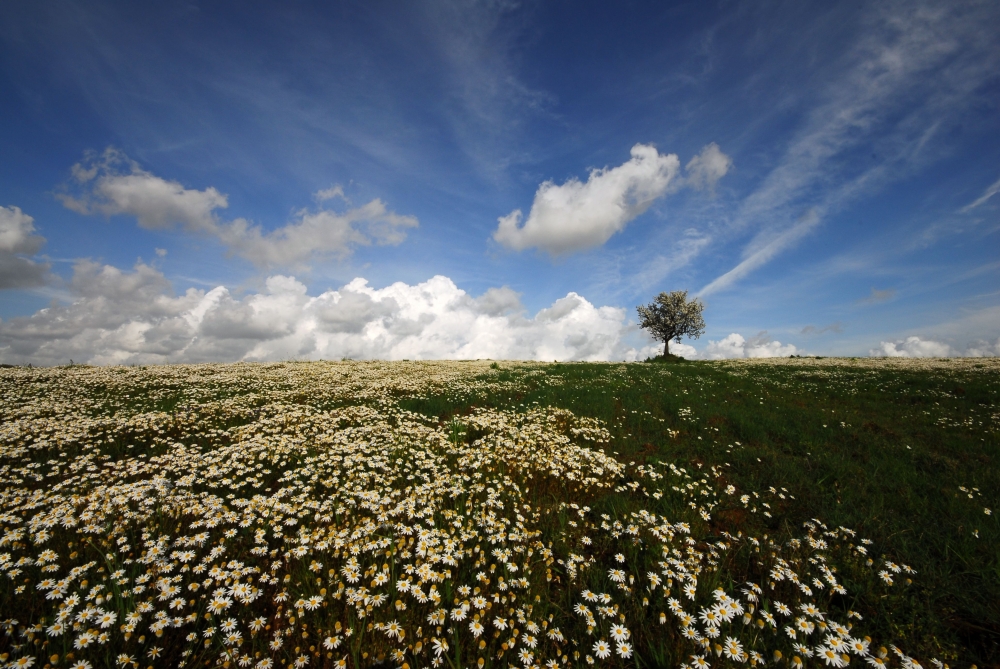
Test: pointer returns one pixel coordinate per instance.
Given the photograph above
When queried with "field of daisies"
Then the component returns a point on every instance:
(462, 514)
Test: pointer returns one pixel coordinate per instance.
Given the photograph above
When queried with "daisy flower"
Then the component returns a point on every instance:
(830, 656)
(602, 649)
(732, 649)
(619, 633)
(440, 647)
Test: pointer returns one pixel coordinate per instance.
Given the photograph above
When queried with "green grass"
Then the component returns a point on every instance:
(879, 450)
(904, 454)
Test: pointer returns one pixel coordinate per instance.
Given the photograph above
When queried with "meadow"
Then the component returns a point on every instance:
(785, 512)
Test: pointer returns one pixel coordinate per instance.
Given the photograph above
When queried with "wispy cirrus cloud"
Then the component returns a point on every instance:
(992, 190)
(877, 296)
(913, 70)
(813, 330)
(487, 104)
(706, 168)
(685, 247)
(765, 247)
(112, 184)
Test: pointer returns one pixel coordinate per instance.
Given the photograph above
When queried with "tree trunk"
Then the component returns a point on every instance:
(666, 347)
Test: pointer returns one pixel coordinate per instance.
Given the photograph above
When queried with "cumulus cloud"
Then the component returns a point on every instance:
(135, 317)
(117, 185)
(913, 347)
(736, 346)
(335, 191)
(321, 232)
(112, 184)
(705, 169)
(17, 239)
(918, 347)
(983, 349)
(16, 230)
(579, 215)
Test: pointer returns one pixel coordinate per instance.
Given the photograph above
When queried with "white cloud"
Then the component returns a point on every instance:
(335, 191)
(813, 330)
(112, 184)
(917, 347)
(134, 317)
(16, 232)
(705, 169)
(878, 296)
(983, 349)
(914, 71)
(17, 238)
(315, 233)
(990, 192)
(766, 246)
(122, 317)
(488, 104)
(736, 346)
(685, 247)
(578, 215)
(155, 202)
(913, 347)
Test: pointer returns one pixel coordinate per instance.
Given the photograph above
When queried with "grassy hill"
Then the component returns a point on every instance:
(499, 513)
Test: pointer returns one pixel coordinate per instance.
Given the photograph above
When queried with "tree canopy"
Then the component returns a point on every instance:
(672, 316)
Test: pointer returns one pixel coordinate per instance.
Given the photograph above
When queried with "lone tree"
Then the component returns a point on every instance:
(672, 316)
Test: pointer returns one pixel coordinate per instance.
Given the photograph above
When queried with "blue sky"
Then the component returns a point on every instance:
(821, 175)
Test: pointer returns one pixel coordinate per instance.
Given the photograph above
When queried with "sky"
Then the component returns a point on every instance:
(219, 181)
